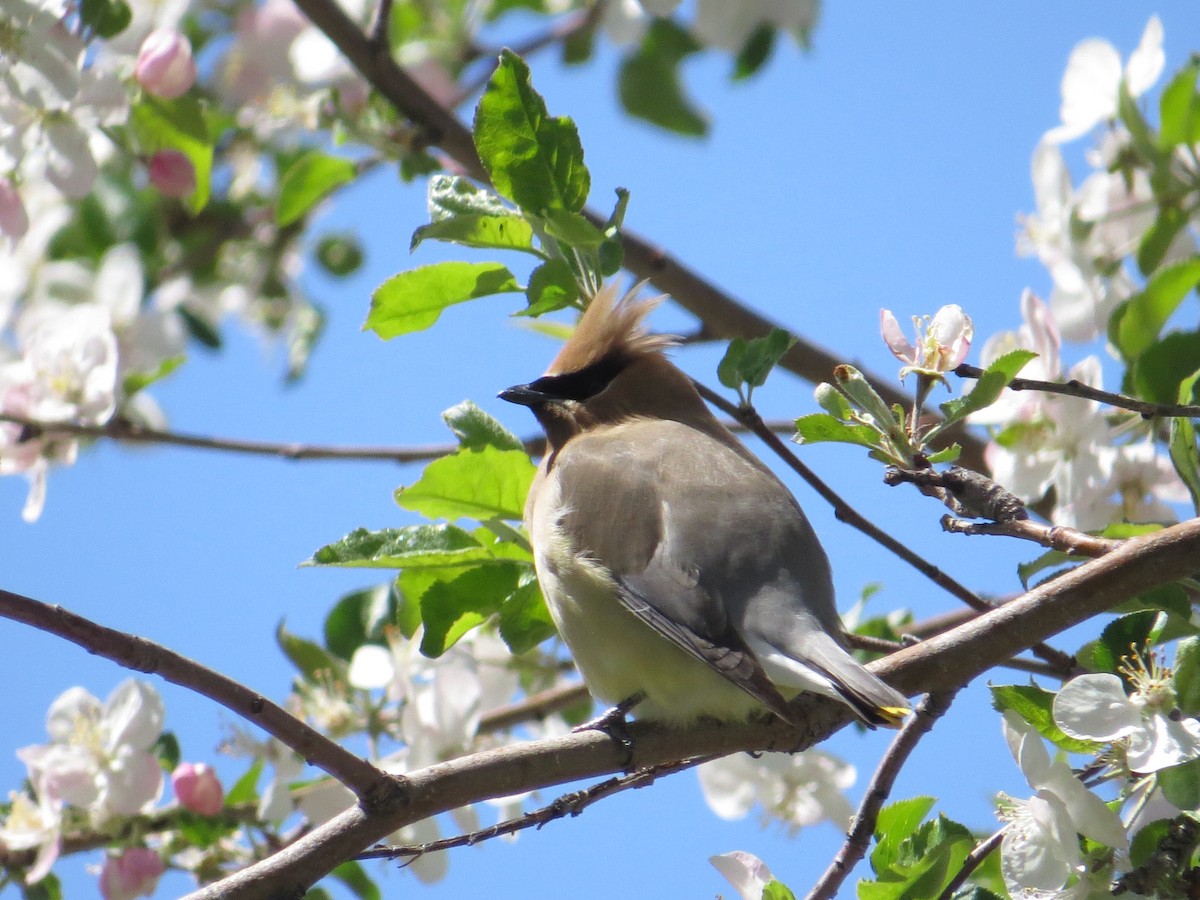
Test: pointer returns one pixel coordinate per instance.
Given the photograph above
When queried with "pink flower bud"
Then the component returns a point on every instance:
(134, 873)
(164, 65)
(197, 788)
(172, 173)
(14, 221)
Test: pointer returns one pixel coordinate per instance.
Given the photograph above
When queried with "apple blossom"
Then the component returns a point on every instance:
(197, 788)
(800, 789)
(164, 66)
(172, 173)
(747, 873)
(941, 342)
(130, 874)
(1141, 724)
(33, 822)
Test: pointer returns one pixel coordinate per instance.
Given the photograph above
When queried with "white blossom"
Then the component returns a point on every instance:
(941, 342)
(798, 789)
(747, 873)
(33, 822)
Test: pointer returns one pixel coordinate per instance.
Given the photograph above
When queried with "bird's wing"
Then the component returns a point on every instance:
(618, 510)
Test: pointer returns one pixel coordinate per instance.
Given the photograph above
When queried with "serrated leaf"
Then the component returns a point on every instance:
(755, 358)
(572, 229)
(987, 390)
(475, 429)
(412, 547)
(534, 159)
(452, 195)
(308, 181)
(649, 84)
(524, 619)
(1122, 637)
(777, 890)
(1147, 312)
(413, 300)
(177, 124)
(552, 286)
(309, 657)
(358, 617)
(861, 392)
(1048, 560)
(506, 232)
(1035, 705)
(1181, 784)
(817, 428)
(1187, 676)
(1179, 108)
(945, 455)
(896, 822)
(483, 483)
(451, 608)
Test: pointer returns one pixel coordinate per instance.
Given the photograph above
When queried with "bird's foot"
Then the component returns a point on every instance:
(614, 723)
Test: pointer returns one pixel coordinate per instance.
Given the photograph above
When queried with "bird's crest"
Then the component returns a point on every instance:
(610, 330)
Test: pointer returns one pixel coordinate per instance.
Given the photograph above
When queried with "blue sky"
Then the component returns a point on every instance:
(884, 168)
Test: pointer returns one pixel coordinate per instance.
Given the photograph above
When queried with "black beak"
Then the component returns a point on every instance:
(523, 395)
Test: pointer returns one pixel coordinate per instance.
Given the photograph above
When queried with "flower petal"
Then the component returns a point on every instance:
(1094, 707)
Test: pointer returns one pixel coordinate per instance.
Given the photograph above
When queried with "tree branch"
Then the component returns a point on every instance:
(1055, 537)
(722, 315)
(974, 860)
(149, 658)
(941, 663)
(1075, 388)
(859, 839)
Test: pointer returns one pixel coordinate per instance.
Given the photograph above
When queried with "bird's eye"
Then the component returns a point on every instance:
(582, 384)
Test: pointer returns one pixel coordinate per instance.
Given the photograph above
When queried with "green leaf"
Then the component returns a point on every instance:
(524, 619)
(177, 124)
(945, 455)
(649, 83)
(1145, 314)
(310, 658)
(309, 180)
(355, 878)
(1158, 373)
(1145, 842)
(1187, 676)
(755, 52)
(166, 750)
(357, 618)
(475, 429)
(137, 381)
(245, 789)
(482, 483)
(1158, 238)
(506, 232)
(1122, 637)
(453, 607)
(987, 390)
(832, 401)
(412, 547)
(1035, 706)
(452, 195)
(896, 823)
(777, 890)
(572, 229)
(413, 300)
(107, 18)
(1181, 784)
(819, 428)
(860, 392)
(1048, 560)
(552, 286)
(1179, 109)
(1182, 443)
(1142, 136)
(534, 159)
(751, 361)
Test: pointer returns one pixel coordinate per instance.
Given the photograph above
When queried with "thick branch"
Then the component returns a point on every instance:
(722, 315)
(942, 663)
(150, 658)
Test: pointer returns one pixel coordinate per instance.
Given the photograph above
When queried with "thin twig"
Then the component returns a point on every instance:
(535, 706)
(844, 512)
(127, 432)
(974, 860)
(1033, 666)
(147, 657)
(859, 839)
(1056, 537)
(381, 26)
(1075, 388)
(571, 804)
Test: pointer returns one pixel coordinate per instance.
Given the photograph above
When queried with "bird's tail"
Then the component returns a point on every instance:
(872, 700)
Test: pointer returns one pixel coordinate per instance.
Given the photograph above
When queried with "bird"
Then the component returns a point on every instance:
(681, 573)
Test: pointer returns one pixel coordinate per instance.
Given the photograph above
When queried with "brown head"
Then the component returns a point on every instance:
(610, 371)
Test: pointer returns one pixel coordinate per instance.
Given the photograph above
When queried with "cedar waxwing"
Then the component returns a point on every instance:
(679, 570)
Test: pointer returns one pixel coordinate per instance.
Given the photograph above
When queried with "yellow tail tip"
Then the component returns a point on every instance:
(894, 715)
